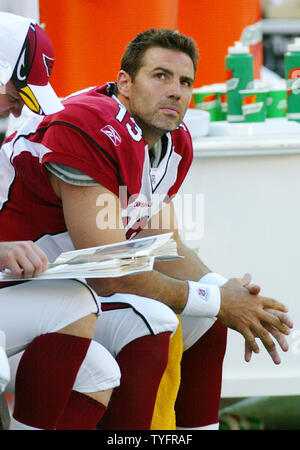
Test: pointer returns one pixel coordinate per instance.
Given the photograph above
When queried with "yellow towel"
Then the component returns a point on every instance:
(164, 412)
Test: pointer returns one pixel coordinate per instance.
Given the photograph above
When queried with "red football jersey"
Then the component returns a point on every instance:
(96, 135)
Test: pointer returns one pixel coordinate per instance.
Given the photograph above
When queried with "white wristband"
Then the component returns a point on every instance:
(204, 300)
(213, 278)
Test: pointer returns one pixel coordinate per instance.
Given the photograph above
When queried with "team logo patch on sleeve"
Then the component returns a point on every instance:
(112, 134)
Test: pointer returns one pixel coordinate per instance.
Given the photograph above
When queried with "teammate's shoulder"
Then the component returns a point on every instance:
(91, 101)
(85, 109)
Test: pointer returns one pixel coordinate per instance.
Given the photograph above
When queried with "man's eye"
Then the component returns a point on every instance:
(161, 76)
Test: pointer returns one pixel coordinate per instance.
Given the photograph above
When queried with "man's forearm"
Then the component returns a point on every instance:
(188, 298)
(188, 268)
(156, 285)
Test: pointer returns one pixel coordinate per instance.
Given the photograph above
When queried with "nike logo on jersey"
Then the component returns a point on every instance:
(112, 134)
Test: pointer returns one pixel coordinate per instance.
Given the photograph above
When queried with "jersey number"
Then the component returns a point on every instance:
(134, 131)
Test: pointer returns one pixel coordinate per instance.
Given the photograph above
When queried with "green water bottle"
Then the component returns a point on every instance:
(292, 76)
(239, 68)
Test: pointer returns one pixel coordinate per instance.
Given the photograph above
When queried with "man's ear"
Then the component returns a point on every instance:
(124, 83)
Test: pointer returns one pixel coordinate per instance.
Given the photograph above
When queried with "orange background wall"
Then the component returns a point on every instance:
(215, 25)
(89, 36)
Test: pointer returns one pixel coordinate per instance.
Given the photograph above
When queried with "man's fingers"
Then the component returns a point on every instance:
(43, 260)
(248, 352)
(37, 264)
(263, 334)
(283, 317)
(272, 319)
(250, 340)
(270, 303)
(251, 344)
(274, 353)
(14, 267)
(253, 316)
(278, 335)
(253, 289)
(26, 259)
(280, 338)
(37, 258)
(26, 265)
(275, 357)
(246, 279)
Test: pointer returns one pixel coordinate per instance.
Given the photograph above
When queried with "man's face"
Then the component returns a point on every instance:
(161, 91)
(10, 101)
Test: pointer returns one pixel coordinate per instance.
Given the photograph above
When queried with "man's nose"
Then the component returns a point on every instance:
(175, 89)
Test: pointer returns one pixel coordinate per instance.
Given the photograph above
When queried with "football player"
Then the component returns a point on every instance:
(106, 169)
(64, 380)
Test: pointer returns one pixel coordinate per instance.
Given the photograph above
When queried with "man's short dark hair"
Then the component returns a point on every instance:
(161, 37)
